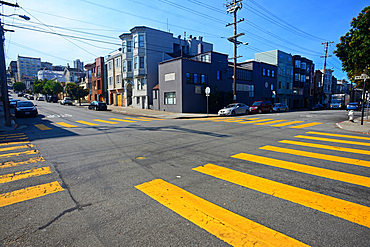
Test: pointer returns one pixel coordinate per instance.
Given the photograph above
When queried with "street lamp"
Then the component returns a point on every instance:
(3, 79)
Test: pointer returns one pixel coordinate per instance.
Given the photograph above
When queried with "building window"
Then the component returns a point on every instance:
(189, 79)
(118, 62)
(118, 78)
(129, 46)
(296, 77)
(98, 71)
(272, 73)
(170, 98)
(110, 81)
(219, 75)
(141, 63)
(204, 79)
(303, 66)
(141, 40)
(129, 66)
(124, 47)
(124, 66)
(135, 63)
(268, 72)
(263, 71)
(141, 83)
(279, 84)
(110, 65)
(205, 58)
(135, 42)
(298, 64)
(196, 78)
(137, 100)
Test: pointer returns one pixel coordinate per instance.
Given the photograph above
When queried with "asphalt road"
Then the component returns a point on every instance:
(136, 181)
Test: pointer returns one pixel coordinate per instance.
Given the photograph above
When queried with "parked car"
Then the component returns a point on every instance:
(52, 98)
(40, 98)
(13, 102)
(261, 106)
(353, 106)
(30, 97)
(66, 100)
(98, 106)
(279, 107)
(25, 108)
(233, 109)
(20, 94)
(317, 107)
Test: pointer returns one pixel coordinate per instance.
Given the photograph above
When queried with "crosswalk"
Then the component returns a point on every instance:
(95, 122)
(16, 152)
(294, 124)
(238, 230)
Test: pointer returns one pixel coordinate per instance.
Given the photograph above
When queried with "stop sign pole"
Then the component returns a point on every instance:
(363, 77)
(207, 91)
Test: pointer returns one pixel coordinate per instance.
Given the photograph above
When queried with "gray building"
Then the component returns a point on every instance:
(182, 82)
(28, 66)
(284, 76)
(77, 64)
(142, 49)
(303, 82)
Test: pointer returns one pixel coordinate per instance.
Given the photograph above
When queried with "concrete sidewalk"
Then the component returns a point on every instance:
(355, 126)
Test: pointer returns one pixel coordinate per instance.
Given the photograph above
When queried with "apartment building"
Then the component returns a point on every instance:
(28, 66)
(142, 49)
(115, 86)
(303, 82)
(284, 76)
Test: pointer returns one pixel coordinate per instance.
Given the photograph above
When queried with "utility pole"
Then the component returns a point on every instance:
(323, 74)
(3, 79)
(233, 7)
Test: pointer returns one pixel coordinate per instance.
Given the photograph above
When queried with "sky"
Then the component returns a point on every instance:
(63, 31)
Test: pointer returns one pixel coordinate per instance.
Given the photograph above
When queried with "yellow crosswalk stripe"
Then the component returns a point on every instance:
(233, 120)
(335, 148)
(339, 135)
(66, 125)
(29, 193)
(337, 207)
(24, 174)
(256, 121)
(321, 172)
(286, 124)
(13, 143)
(105, 121)
(318, 156)
(270, 122)
(123, 120)
(138, 119)
(11, 134)
(252, 118)
(333, 140)
(13, 139)
(42, 127)
(305, 125)
(224, 224)
(87, 123)
(29, 161)
(16, 147)
(20, 153)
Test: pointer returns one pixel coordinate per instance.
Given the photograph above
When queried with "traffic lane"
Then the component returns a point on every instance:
(171, 154)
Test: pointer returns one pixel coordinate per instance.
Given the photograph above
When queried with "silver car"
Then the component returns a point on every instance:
(279, 107)
(66, 101)
(233, 109)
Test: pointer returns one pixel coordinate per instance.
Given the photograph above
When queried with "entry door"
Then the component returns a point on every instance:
(119, 99)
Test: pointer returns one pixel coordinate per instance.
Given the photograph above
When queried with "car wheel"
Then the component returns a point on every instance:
(259, 111)
(246, 112)
(270, 110)
(96, 108)
(278, 110)
(233, 113)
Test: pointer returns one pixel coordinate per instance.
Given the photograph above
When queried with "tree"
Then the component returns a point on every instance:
(354, 47)
(19, 86)
(52, 87)
(76, 92)
(38, 86)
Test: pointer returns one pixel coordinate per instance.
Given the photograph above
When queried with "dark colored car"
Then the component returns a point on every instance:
(317, 107)
(52, 98)
(25, 108)
(20, 94)
(261, 106)
(353, 106)
(98, 106)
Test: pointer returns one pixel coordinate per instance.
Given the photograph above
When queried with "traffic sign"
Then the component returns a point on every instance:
(362, 77)
(207, 91)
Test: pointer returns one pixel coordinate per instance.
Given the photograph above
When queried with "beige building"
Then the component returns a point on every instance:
(115, 86)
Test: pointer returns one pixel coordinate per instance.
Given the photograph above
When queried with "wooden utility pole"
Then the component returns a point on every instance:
(323, 74)
(233, 8)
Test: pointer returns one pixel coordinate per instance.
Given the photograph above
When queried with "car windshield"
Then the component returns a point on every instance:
(231, 106)
(257, 103)
(25, 104)
(352, 103)
(277, 104)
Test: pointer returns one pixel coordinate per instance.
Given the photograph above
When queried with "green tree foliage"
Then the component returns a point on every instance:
(52, 87)
(38, 86)
(19, 86)
(354, 47)
(76, 92)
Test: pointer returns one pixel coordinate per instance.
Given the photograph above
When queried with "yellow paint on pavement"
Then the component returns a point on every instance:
(256, 121)
(318, 156)
(13, 143)
(339, 135)
(105, 121)
(287, 123)
(138, 119)
(16, 147)
(335, 148)
(305, 125)
(123, 120)
(321, 172)
(6, 178)
(42, 127)
(11, 134)
(87, 123)
(340, 208)
(270, 122)
(20, 153)
(233, 120)
(224, 224)
(66, 125)
(29, 193)
(151, 118)
(12, 163)
(333, 140)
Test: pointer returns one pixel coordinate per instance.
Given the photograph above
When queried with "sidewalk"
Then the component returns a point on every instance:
(355, 126)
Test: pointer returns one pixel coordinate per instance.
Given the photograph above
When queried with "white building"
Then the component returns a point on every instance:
(51, 75)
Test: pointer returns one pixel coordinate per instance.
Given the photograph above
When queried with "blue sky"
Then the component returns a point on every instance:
(296, 27)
